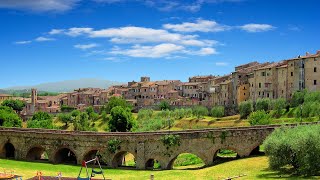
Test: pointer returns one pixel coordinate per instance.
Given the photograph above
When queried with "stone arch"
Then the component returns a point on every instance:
(9, 150)
(217, 151)
(118, 159)
(171, 162)
(37, 153)
(255, 150)
(153, 163)
(65, 155)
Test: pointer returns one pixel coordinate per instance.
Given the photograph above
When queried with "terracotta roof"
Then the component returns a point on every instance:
(276, 64)
(191, 83)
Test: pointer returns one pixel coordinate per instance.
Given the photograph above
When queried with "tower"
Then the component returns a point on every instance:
(34, 97)
(145, 79)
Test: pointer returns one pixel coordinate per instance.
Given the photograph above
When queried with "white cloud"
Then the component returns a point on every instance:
(202, 52)
(41, 39)
(78, 31)
(23, 42)
(222, 64)
(39, 5)
(256, 27)
(199, 25)
(158, 51)
(56, 31)
(86, 46)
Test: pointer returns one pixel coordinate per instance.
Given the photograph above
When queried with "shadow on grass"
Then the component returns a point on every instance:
(283, 173)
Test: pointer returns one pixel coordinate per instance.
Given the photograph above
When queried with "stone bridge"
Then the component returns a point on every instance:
(71, 146)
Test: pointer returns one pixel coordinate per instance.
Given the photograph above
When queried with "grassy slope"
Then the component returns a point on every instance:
(253, 167)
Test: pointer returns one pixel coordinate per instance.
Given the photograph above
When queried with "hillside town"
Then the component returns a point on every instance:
(249, 81)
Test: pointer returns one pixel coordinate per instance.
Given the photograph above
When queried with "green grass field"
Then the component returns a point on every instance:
(253, 167)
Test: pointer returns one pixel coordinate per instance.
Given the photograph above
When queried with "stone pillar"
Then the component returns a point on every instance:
(140, 159)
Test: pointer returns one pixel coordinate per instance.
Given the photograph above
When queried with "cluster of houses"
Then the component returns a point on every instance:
(249, 81)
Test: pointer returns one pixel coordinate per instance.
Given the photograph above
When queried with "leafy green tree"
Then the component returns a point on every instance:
(8, 118)
(121, 119)
(104, 116)
(145, 114)
(16, 105)
(65, 108)
(41, 120)
(298, 98)
(263, 104)
(81, 122)
(296, 148)
(200, 111)
(278, 105)
(65, 118)
(259, 118)
(116, 101)
(92, 115)
(75, 113)
(245, 108)
(312, 96)
(164, 105)
(217, 111)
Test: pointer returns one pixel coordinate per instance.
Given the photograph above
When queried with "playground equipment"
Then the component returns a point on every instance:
(93, 172)
(9, 175)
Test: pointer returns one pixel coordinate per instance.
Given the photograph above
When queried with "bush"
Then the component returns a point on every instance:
(245, 108)
(312, 97)
(217, 111)
(298, 148)
(278, 105)
(153, 124)
(16, 105)
(40, 120)
(65, 108)
(200, 111)
(259, 118)
(263, 104)
(116, 101)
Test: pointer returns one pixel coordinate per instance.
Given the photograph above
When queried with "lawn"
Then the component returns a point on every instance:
(253, 167)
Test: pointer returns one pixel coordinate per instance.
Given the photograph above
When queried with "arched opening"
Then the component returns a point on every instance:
(124, 159)
(153, 164)
(186, 161)
(9, 150)
(224, 155)
(259, 150)
(92, 154)
(37, 154)
(65, 156)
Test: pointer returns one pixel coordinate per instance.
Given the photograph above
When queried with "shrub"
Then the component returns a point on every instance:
(259, 118)
(40, 120)
(65, 108)
(8, 118)
(200, 111)
(278, 105)
(263, 104)
(153, 124)
(245, 108)
(312, 97)
(217, 111)
(188, 112)
(298, 148)
(116, 101)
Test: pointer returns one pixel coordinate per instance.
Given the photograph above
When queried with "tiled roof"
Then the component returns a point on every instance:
(5, 95)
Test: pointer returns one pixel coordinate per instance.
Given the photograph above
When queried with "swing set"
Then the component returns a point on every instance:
(93, 172)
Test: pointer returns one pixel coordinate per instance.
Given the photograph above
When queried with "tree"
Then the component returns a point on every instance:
(75, 113)
(40, 120)
(278, 105)
(81, 122)
(121, 119)
(298, 148)
(116, 101)
(263, 104)
(298, 98)
(65, 118)
(145, 114)
(245, 108)
(8, 118)
(217, 111)
(92, 115)
(65, 108)
(16, 105)
(259, 118)
(164, 105)
(200, 111)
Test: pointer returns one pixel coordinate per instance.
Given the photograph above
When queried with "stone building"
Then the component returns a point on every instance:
(5, 97)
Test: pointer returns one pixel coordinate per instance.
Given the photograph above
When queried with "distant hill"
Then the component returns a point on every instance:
(65, 86)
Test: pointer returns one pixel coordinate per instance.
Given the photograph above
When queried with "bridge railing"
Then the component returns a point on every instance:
(66, 132)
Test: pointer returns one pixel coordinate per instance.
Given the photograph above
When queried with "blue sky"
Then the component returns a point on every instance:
(121, 40)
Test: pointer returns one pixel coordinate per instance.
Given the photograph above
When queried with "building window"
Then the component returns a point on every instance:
(315, 69)
(244, 94)
(259, 93)
(314, 82)
(263, 73)
(268, 95)
(259, 85)
(291, 73)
